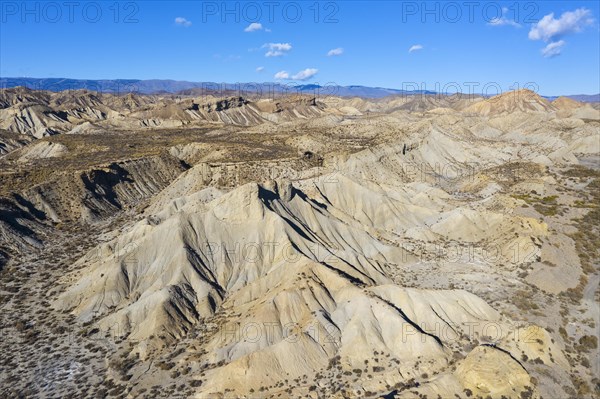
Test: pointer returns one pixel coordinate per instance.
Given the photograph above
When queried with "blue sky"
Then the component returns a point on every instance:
(552, 46)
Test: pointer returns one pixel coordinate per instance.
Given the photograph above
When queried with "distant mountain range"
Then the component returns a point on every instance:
(158, 86)
(584, 98)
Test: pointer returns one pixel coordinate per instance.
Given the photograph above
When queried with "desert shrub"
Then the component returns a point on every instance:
(563, 333)
(583, 389)
(523, 300)
(588, 342)
(527, 393)
(165, 366)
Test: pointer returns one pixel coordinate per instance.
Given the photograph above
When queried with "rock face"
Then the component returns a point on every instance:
(488, 371)
(10, 141)
(41, 114)
(308, 276)
(19, 223)
(42, 150)
(92, 195)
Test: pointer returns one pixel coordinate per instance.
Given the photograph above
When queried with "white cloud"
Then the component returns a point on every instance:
(553, 49)
(253, 27)
(183, 22)
(415, 47)
(549, 28)
(277, 49)
(503, 21)
(305, 74)
(282, 75)
(335, 51)
(260, 69)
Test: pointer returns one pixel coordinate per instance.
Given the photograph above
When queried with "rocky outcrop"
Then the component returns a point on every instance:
(510, 102)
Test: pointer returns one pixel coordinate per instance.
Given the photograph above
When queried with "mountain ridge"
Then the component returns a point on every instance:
(158, 86)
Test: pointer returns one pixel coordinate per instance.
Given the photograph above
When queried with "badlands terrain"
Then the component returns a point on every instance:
(228, 247)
